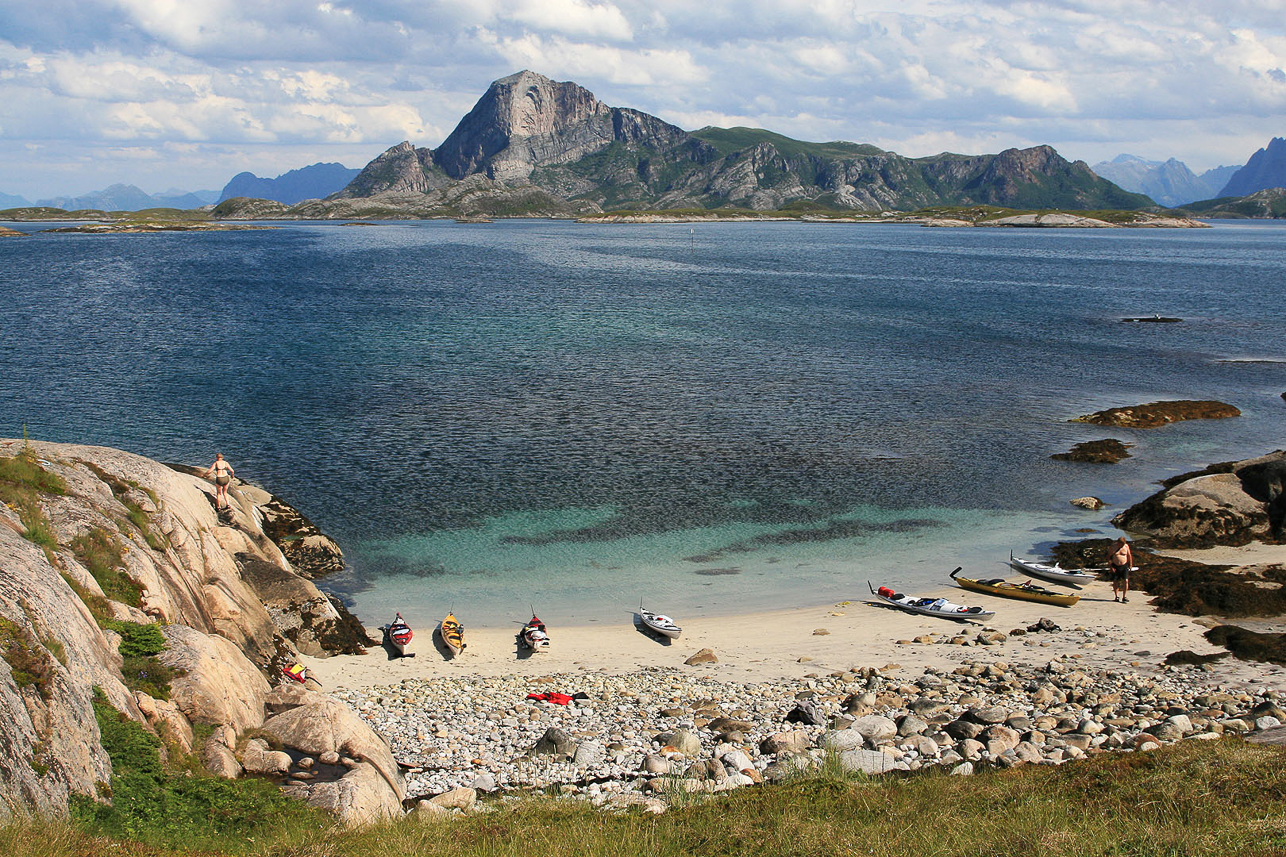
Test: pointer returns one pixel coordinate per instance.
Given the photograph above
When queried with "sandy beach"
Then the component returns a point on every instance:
(791, 644)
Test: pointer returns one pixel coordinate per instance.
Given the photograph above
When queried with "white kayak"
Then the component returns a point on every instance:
(940, 607)
(1074, 578)
(534, 635)
(659, 623)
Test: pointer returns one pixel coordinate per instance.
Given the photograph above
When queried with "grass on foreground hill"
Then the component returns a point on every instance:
(1194, 798)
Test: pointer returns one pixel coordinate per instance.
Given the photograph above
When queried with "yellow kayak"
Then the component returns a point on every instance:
(452, 634)
(1026, 591)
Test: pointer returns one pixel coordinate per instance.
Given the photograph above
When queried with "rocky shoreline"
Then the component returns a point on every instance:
(648, 734)
(101, 545)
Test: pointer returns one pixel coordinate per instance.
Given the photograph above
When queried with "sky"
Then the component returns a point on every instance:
(185, 94)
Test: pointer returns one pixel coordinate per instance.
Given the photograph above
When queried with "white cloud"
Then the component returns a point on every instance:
(562, 58)
(1190, 78)
(574, 18)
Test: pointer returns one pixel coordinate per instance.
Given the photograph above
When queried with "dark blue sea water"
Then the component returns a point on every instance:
(714, 417)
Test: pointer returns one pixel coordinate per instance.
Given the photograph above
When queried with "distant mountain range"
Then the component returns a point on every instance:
(312, 182)
(127, 197)
(533, 145)
(1170, 183)
(8, 200)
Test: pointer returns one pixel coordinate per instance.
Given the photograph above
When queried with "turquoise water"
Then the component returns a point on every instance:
(715, 418)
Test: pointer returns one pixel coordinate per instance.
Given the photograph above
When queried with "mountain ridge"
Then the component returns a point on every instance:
(128, 197)
(1266, 169)
(579, 154)
(314, 181)
(1169, 182)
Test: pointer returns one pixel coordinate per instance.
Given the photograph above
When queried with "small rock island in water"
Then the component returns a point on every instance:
(1156, 414)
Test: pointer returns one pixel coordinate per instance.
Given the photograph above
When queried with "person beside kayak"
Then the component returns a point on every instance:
(1119, 562)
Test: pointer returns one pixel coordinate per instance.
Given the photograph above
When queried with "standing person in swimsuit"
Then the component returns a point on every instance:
(222, 472)
(1120, 561)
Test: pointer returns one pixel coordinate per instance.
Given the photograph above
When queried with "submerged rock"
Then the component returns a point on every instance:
(1108, 451)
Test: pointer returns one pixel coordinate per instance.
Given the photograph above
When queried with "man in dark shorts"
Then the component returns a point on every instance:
(222, 473)
(1120, 561)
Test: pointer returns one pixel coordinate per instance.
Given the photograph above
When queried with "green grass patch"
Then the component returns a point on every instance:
(104, 558)
(22, 481)
(178, 807)
(1192, 799)
(29, 663)
(24, 469)
(140, 667)
(140, 644)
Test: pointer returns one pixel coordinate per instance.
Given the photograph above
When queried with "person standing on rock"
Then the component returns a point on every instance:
(1120, 561)
(222, 473)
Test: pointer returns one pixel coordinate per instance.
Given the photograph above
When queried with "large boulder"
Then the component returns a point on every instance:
(327, 726)
(219, 684)
(362, 796)
(1225, 504)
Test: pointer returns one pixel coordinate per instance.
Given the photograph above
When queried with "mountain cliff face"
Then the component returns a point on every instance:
(566, 145)
(1266, 169)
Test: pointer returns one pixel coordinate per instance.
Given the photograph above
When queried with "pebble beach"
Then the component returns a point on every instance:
(856, 683)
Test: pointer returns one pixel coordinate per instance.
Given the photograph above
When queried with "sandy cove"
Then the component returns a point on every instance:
(789, 644)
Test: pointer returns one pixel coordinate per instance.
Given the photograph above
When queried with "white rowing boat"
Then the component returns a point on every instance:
(1075, 578)
(939, 607)
(659, 623)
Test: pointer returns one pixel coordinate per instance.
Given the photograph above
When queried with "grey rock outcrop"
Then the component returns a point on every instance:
(163, 555)
(324, 728)
(219, 684)
(1232, 505)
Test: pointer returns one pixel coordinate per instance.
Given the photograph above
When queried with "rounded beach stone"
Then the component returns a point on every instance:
(874, 728)
(458, 798)
(705, 656)
(682, 740)
(785, 742)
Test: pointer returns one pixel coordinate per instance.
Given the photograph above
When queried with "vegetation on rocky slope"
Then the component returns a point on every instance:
(170, 801)
(1194, 798)
(22, 481)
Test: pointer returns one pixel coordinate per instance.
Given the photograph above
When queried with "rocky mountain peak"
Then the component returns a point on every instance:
(523, 121)
(399, 170)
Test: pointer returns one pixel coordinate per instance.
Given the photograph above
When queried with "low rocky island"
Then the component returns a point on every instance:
(150, 227)
(1157, 414)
